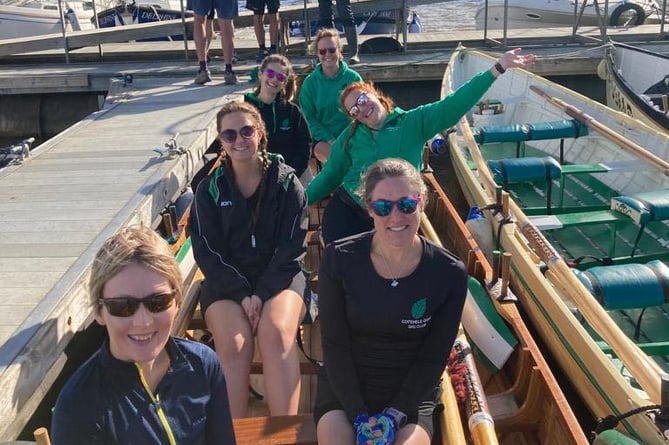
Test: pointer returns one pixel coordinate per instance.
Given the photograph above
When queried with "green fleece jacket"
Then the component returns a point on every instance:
(402, 135)
(319, 101)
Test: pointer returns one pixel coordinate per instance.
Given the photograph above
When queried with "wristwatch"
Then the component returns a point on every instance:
(398, 416)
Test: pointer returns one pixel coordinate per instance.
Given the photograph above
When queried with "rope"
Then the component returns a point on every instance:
(611, 421)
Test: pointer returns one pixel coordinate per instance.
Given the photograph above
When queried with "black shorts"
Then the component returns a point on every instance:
(258, 6)
(299, 285)
(326, 401)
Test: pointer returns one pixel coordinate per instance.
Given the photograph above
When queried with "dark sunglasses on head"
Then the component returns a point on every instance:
(279, 76)
(230, 135)
(406, 205)
(360, 101)
(324, 51)
(127, 306)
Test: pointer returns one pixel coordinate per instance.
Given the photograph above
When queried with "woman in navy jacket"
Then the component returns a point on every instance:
(142, 386)
(248, 225)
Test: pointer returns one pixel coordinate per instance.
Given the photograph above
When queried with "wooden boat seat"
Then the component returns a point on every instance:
(641, 208)
(277, 430)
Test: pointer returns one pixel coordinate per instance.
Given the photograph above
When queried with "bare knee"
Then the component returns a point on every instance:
(334, 429)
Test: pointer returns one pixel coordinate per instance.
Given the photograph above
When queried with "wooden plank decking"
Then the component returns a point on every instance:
(60, 205)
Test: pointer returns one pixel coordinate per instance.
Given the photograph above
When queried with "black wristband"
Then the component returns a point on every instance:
(500, 69)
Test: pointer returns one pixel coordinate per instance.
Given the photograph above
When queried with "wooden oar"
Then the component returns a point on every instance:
(481, 425)
(644, 369)
(605, 131)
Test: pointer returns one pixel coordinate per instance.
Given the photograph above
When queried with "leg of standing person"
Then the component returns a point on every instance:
(258, 8)
(209, 32)
(234, 344)
(199, 36)
(227, 11)
(273, 19)
(277, 330)
(346, 16)
(325, 12)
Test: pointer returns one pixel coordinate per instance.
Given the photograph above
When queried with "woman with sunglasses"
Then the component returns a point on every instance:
(390, 303)
(381, 130)
(142, 385)
(287, 131)
(248, 225)
(319, 95)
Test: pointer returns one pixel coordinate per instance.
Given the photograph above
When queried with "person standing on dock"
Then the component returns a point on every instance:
(143, 385)
(287, 131)
(319, 95)
(345, 14)
(259, 16)
(390, 304)
(226, 10)
(248, 225)
(381, 130)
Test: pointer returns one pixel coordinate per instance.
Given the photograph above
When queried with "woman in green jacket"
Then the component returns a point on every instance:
(319, 95)
(380, 130)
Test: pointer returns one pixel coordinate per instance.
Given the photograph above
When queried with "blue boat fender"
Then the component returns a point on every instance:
(416, 24)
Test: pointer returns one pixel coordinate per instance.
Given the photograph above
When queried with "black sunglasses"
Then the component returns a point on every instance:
(406, 205)
(279, 76)
(324, 51)
(230, 135)
(359, 102)
(127, 306)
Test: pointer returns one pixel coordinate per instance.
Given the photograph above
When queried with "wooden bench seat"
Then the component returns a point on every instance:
(278, 430)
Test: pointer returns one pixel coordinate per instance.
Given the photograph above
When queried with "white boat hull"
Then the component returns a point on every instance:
(17, 21)
(555, 13)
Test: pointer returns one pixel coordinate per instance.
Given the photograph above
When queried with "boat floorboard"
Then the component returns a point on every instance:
(60, 204)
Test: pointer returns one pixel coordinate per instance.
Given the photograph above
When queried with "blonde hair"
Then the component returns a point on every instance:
(390, 168)
(327, 32)
(133, 245)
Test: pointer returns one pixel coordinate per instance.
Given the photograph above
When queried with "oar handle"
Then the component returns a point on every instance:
(605, 131)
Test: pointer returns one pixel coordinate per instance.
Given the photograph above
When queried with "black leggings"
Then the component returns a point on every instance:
(343, 217)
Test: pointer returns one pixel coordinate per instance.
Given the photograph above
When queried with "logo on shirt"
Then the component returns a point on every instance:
(285, 125)
(419, 320)
(226, 203)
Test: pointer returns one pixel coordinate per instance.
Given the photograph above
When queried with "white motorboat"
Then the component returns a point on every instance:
(22, 21)
(554, 13)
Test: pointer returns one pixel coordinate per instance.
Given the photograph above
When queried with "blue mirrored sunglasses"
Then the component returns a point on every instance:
(406, 205)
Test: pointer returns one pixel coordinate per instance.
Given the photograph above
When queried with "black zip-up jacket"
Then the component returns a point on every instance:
(287, 131)
(237, 259)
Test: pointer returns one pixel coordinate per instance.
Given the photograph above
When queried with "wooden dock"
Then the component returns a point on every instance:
(62, 202)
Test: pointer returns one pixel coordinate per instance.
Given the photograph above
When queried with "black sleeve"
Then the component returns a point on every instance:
(301, 161)
(433, 356)
(336, 337)
(219, 419)
(291, 242)
(209, 248)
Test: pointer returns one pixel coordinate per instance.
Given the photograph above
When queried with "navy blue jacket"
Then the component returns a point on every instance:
(104, 402)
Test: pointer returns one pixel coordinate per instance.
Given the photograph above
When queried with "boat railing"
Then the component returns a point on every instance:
(639, 12)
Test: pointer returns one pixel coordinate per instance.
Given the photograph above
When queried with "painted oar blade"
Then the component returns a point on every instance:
(491, 339)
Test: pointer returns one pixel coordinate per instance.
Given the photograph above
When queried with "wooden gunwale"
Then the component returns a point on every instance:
(598, 382)
(541, 388)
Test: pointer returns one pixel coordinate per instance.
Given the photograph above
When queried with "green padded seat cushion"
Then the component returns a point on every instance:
(562, 129)
(627, 286)
(515, 170)
(643, 207)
